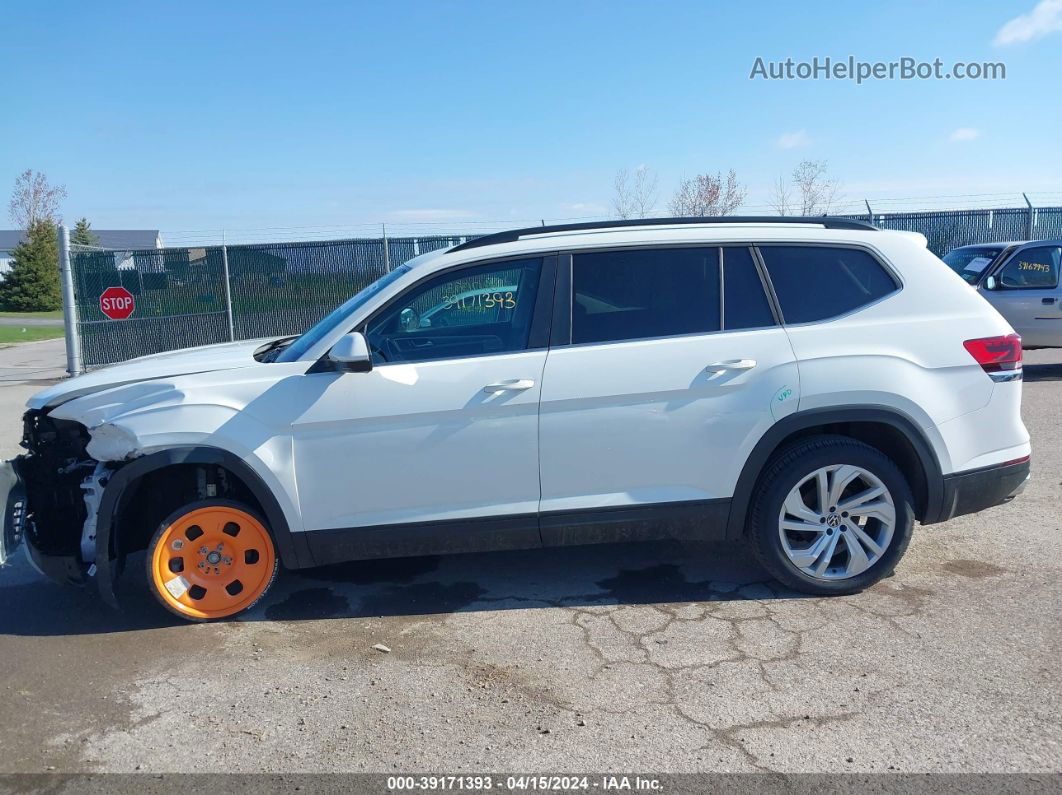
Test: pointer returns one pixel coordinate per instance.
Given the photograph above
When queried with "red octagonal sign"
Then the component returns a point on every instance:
(117, 303)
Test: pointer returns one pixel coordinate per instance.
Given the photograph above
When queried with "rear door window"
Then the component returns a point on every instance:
(822, 282)
(745, 303)
(638, 294)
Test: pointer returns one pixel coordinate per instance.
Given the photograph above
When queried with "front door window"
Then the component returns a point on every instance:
(1031, 269)
(472, 311)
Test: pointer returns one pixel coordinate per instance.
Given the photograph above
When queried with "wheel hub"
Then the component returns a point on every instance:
(214, 561)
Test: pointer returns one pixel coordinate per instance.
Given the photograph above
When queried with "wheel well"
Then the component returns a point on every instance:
(158, 493)
(882, 436)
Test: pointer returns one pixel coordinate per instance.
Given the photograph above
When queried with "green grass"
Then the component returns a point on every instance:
(57, 314)
(11, 334)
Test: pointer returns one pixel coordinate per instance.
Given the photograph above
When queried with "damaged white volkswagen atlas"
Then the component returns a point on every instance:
(811, 386)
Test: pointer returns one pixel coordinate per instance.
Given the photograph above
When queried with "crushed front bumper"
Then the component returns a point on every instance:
(58, 566)
(13, 502)
(44, 499)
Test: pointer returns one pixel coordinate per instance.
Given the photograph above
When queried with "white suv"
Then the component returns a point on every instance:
(812, 386)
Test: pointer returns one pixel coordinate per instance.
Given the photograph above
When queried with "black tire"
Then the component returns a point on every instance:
(263, 569)
(788, 468)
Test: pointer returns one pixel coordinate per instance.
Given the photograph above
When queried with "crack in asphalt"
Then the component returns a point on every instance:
(744, 648)
(733, 627)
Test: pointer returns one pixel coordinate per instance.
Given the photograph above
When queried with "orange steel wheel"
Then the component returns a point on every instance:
(211, 560)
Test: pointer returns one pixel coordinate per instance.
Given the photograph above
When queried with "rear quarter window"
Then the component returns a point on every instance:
(822, 282)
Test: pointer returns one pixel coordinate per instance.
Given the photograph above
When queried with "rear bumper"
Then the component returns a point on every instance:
(978, 489)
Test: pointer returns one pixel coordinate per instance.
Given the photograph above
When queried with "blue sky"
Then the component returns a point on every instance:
(308, 119)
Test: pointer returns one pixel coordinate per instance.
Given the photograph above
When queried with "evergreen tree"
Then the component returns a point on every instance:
(83, 234)
(32, 283)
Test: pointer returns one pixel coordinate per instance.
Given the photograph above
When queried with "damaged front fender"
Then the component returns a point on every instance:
(110, 442)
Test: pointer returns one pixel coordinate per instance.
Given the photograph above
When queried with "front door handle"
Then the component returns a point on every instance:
(1047, 301)
(731, 364)
(515, 385)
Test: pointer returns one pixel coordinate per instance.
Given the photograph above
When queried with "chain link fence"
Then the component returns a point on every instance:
(947, 229)
(199, 296)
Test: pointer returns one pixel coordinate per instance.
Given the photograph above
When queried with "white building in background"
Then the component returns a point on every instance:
(120, 239)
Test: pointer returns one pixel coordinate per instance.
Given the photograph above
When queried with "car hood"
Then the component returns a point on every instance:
(207, 358)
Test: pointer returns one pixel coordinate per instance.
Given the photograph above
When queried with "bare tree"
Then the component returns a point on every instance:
(634, 197)
(816, 190)
(34, 199)
(781, 198)
(708, 194)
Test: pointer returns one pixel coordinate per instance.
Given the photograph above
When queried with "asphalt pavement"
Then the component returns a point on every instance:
(661, 657)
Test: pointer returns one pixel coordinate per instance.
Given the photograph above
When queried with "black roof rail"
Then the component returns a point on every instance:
(828, 221)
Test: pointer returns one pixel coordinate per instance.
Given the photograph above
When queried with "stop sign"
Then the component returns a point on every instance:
(117, 303)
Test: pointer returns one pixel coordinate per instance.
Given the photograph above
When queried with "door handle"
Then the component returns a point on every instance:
(731, 364)
(515, 385)
(1048, 301)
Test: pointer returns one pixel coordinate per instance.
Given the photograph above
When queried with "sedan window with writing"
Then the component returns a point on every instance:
(1032, 268)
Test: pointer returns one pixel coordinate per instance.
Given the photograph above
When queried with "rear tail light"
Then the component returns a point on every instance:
(996, 354)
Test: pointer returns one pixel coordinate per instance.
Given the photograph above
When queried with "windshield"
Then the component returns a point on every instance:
(971, 261)
(319, 330)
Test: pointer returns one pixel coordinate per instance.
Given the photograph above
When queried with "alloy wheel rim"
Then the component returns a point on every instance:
(837, 522)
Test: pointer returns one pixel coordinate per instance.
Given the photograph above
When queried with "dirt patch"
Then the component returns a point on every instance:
(974, 569)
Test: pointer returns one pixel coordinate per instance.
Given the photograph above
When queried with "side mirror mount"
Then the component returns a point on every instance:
(350, 354)
(991, 283)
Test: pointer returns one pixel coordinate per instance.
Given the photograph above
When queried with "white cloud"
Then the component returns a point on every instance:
(1045, 18)
(586, 208)
(430, 216)
(965, 134)
(794, 140)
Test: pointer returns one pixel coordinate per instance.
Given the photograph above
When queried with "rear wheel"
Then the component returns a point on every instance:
(211, 559)
(831, 516)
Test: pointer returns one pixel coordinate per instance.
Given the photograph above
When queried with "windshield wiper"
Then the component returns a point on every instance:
(271, 350)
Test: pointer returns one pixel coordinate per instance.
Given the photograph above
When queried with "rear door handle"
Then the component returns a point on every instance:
(515, 385)
(731, 364)
(1047, 300)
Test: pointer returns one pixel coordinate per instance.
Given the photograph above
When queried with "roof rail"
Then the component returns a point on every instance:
(828, 221)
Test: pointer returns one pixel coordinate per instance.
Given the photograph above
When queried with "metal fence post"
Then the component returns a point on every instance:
(66, 278)
(387, 253)
(1029, 220)
(228, 288)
